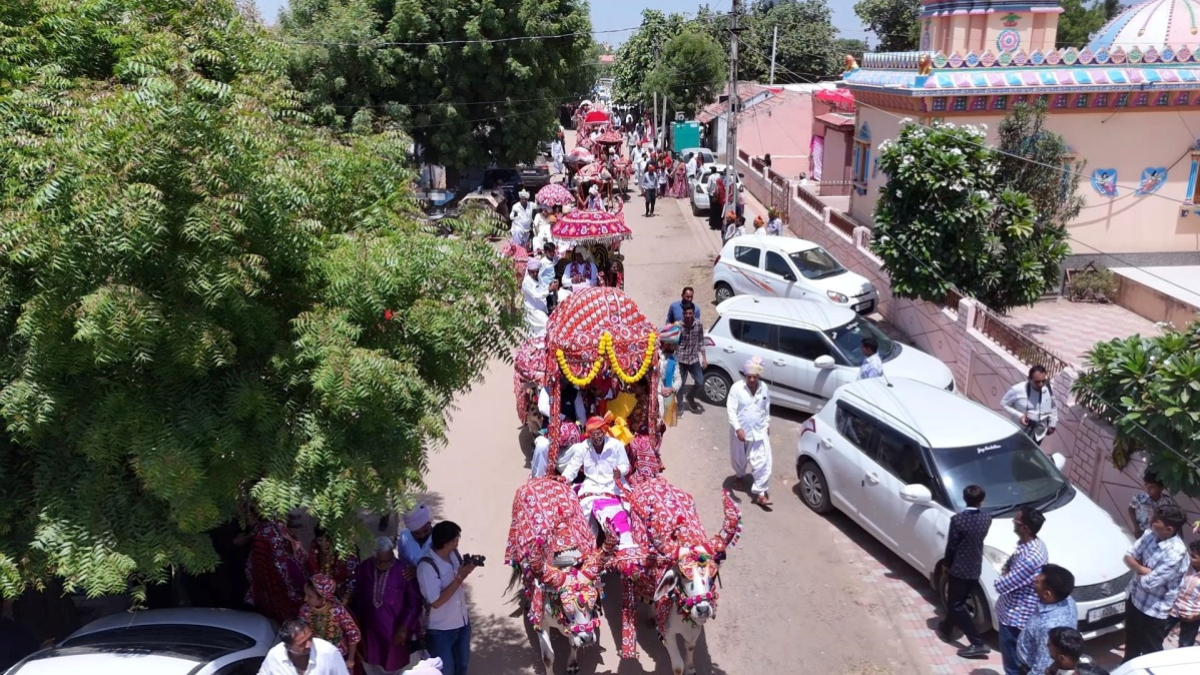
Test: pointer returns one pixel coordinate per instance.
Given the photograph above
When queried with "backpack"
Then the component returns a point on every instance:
(427, 560)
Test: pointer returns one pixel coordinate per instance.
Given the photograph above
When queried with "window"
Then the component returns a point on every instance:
(1100, 101)
(1142, 99)
(816, 263)
(939, 104)
(1182, 98)
(900, 456)
(849, 339)
(979, 103)
(1060, 101)
(854, 426)
(1163, 98)
(747, 255)
(779, 267)
(751, 333)
(1190, 197)
(803, 344)
(960, 103)
(1081, 101)
(862, 157)
(1000, 103)
(1123, 99)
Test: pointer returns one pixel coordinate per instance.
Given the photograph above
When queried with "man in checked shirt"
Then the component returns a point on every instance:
(1018, 596)
(1159, 559)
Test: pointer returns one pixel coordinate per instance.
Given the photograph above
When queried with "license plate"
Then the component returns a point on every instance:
(864, 306)
(1099, 613)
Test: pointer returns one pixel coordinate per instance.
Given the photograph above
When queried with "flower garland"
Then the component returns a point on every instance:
(606, 348)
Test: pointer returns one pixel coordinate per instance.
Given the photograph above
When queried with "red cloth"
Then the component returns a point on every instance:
(275, 572)
(720, 195)
(339, 569)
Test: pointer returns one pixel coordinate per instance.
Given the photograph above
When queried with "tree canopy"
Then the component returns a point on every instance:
(1148, 388)
(895, 22)
(642, 53)
(956, 213)
(202, 295)
(692, 69)
(459, 75)
(1078, 23)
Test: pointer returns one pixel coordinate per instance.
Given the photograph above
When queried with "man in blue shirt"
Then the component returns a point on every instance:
(1159, 559)
(675, 313)
(1056, 608)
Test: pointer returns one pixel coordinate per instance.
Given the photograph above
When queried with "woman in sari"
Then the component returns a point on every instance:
(275, 569)
(323, 559)
(388, 605)
(679, 189)
(329, 618)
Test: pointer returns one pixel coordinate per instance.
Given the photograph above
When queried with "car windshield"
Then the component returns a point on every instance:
(849, 339)
(816, 263)
(1012, 471)
(204, 642)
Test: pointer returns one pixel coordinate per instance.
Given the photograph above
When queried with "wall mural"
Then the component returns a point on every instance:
(1152, 179)
(1104, 181)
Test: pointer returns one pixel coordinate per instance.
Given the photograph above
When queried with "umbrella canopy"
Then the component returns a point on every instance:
(554, 194)
(842, 98)
(585, 226)
(610, 137)
(590, 170)
(596, 117)
(583, 142)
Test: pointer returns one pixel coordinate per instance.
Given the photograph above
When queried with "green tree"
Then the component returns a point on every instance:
(895, 22)
(202, 295)
(1148, 388)
(1078, 23)
(642, 53)
(692, 69)
(806, 50)
(465, 101)
(851, 46)
(948, 218)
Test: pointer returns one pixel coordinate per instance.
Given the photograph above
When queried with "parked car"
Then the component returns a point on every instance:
(706, 156)
(894, 455)
(536, 175)
(1184, 661)
(699, 187)
(809, 349)
(186, 641)
(787, 267)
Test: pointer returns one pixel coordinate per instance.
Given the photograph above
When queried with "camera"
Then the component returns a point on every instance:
(476, 560)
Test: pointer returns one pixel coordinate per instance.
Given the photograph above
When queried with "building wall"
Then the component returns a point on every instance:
(982, 369)
(1128, 141)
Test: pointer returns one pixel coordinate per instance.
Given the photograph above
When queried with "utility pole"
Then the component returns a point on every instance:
(734, 105)
(774, 43)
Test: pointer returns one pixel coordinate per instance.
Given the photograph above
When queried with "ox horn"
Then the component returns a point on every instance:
(731, 526)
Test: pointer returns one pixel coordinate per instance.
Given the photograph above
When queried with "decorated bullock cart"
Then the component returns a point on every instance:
(601, 234)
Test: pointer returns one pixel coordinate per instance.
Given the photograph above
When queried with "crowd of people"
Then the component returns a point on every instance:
(377, 616)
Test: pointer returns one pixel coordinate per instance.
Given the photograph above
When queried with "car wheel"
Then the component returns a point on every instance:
(977, 603)
(724, 292)
(696, 210)
(813, 488)
(716, 387)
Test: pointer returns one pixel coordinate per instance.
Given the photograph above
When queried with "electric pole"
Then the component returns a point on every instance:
(774, 43)
(734, 105)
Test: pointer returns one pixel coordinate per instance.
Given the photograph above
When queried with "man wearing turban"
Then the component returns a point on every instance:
(522, 219)
(535, 295)
(581, 273)
(749, 409)
(605, 465)
(413, 541)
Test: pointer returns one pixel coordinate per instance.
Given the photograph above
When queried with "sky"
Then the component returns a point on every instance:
(612, 15)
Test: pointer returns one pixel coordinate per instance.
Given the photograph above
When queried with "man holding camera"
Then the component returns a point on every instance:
(441, 573)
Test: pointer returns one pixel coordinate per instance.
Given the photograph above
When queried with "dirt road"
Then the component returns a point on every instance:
(791, 602)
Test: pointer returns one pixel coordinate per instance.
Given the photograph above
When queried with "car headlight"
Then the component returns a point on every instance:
(996, 557)
(837, 297)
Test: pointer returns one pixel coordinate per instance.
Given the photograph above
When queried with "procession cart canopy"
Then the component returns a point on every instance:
(590, 170)
(588, 226)
(609, 137)
(578, 327)
(596, 117)
(554, 194)
(579, 156)
(584, 142)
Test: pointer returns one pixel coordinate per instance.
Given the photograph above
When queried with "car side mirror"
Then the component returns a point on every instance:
(916, 494)
(1059, 459)
(824, 362)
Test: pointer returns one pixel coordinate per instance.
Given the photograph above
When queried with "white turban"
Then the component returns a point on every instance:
(581, 249)
(594, 191)
(533, 265)
(417, 518)
(384, 544)
(754, 366)
(523, 194)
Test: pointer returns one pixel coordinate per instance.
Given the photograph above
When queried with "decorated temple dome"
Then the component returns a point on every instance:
(1155, 23)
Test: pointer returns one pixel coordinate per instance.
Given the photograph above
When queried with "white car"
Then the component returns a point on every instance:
(185, 641)
(706, 156)
(1184, 661)
(895, 456)
(699, 187)
(787, 267)
(809, 349)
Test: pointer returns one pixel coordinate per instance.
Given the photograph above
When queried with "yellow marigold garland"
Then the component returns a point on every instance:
(606, 347)
(579, 381)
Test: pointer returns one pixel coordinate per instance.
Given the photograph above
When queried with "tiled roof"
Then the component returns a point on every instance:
(837, 119)
(745, 90)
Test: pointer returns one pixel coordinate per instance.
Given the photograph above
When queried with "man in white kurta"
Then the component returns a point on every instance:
(581, 273)
(522, 219)
(541, 230)
(601, 458)
(534, 294)
(749, 409)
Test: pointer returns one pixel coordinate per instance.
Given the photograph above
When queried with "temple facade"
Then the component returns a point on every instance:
(1127, 104)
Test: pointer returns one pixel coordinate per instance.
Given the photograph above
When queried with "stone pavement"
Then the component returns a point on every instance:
(1070, 329)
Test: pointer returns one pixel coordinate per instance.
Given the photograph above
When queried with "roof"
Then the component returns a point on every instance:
(942, 418)
(1153, 23)
(836, 120)
(786, 245)
(782, 126)
(96, 662)
(608, 58)
(819, 315)
(744, 90)
(249, 624)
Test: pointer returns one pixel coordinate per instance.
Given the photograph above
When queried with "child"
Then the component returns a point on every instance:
(1066, 647)
(1143, 504)
(329, 618)
(1186, 611)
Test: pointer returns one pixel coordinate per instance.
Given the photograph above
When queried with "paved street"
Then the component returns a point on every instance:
(799, 595)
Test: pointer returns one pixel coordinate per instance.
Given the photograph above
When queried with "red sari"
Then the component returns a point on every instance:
(275, 571)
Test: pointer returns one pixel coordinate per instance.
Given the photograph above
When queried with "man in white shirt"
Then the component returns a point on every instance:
(534, 293)
(1031, 404)
(581, 273)
(872, 365)
(602, 459)
(522, 219)
(299, 653)
(568, 435)
(413, 542)
(441, 574)
(749, 410)
(541, 230)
